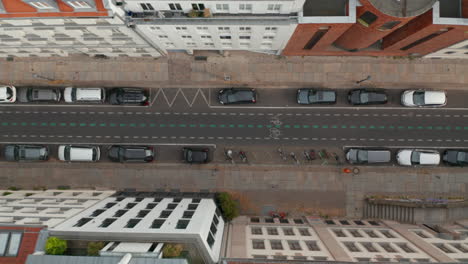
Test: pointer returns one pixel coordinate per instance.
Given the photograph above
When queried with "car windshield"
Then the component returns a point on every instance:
(418, 98)
(362, 155)
(462, 156)
(415, 157)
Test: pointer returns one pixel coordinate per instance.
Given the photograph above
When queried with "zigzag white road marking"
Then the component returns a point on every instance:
(170, 103)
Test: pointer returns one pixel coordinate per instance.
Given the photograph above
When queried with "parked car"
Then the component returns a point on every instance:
(196, 155)
(131, 154)
(422, 98)
(79, 153)
(367, 97)
(314, 96)
(368, 156)
(412, 157)
(26, 153)
(237, 96)
(120, 96)
(7, 94)
(93, 95)
(46, 95)
(456, 157)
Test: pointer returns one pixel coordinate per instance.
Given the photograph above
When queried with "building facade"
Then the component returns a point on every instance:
(313, 239)
(149, 217)
(261, 26)
(457, 51)
(65, 27)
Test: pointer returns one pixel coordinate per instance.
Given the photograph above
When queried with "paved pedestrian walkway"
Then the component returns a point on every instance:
(236, 69)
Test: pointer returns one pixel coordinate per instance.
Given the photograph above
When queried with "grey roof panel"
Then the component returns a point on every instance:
(49, 259)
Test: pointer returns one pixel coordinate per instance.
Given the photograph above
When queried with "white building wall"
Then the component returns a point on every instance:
(47, 208)
(199, 227)
(455, 249)
(457, 51)
(63, 37)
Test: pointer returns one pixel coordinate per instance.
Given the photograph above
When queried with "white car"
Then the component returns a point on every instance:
(423, 98)
(414, 157)
(79, 153)
(72, 95)
(7, 94)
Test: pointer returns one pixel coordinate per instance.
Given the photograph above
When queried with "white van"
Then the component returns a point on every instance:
(72, 95)
(79, 153)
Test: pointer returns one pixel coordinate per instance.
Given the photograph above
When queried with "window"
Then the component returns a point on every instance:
(344, 222)
(312, 245)
(209, 44)
(157, 223)
(188, 214)
(41, 5)
(182, 224)
(248, 37)
(9, 244)
(421, 234)
(296, 221)
(294, 245)
(246, 29)
(288, 232)
(82, 222)
(460, 247)
(175, 7)
(200, 7)
(192, 206)
(215, 220)
(130, 205)
(371, 233)
(225, 37)
(225, 29)
(374, 223)
(389, 25)
(426, 38)
(367, 18)
(202, 28)
(132, 223)
(387, 233)
(205, 37)
(222, 7)
(213, 229)
(339, 233)
(181, 28)
(256, 231)
(358, 222)
(304, 232)
(270, 38)
(280, 257)
(443, 247)
(151, 205)
(269, 220)
(109, 205)
(147, 7)
(186, 37)
(271, 28)
(369, 247)
(351, 246)
(274, 7)
(142, 213)
(329, 222)
(97, 212)
(245, 7)
(355, 233)
(210, 240)
(162, 36)
(171, 206)
(299, 257)
(449, 52)
(258, 244)
(272, 231)
(196, 200)
(78, 4)
(276, 244)
(107, 222)
(387, 247)
(406, 248)
(259, 256)
(165, 214)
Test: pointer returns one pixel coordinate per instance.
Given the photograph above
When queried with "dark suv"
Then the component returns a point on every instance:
(237, 96)
(119, 96)
(26, 153)
(455, 157)
(367, 97)
(195, 155)
(131, 154)
(44, 95)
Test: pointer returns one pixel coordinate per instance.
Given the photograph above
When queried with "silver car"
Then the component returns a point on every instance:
(368, 156)
(26, 153)
(45, 95)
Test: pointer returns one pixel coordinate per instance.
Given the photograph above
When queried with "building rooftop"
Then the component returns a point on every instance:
(403, 8)
(325, 8)
(48, 259)
(16, 243)
(56, 8)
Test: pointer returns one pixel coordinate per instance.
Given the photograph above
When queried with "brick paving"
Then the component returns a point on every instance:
(244, 68)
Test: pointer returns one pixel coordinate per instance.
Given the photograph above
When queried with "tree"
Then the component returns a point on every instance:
(172, 250)
(94, 247)
(55, 246)
(229, 207)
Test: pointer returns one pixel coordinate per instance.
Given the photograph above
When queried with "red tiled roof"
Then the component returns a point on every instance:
(18, 8)
(28, 243)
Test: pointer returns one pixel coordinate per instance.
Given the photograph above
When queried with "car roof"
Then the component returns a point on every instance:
(378, 155)
(77, 153)
(434, 97)
(88, 93)
(429, 158)
(3, 92)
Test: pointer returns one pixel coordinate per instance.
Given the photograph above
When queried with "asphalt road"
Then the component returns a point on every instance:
(192, 116)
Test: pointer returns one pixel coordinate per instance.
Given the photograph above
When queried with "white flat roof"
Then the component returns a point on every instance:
(132, 247)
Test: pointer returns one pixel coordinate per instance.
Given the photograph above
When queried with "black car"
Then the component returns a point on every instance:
(119, 96)
(196, 155)
(237, 96)
(456, 157)
(314, 96)
(367, 97)
(26, 153)
(131, 154)
(44, 95)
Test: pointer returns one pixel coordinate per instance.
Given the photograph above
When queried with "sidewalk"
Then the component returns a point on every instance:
(244, 68)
